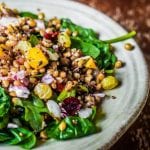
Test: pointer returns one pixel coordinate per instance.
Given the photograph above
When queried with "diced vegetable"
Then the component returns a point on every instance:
(47, 78)
(43, 91)
(64, 39)
(109, 82)
(21, 91)
(2, 54)
(24, 46)
(36, 58)
(54, 109)
(90, 64)
(52, 54)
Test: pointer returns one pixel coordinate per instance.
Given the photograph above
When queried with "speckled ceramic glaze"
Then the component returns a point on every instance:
(131, 95)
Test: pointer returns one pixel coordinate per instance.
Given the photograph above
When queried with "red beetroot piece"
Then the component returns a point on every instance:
(51, 35)
(70, 106)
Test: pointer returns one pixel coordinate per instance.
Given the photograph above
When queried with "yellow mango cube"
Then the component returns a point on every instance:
(36, 58)
(90, 64)
(2, 54)
(64, 39)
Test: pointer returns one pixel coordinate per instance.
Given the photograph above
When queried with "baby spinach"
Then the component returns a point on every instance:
(75, 127)
(33, 40)
(87, 48)
(28, 14)
(22, 137)
(33, 109)
(4, 121)
(83, 33)
(65, 94)
(4, 102)
(29, 143)
(4, 136)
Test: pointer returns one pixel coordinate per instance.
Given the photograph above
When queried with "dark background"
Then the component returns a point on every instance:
(131, 14)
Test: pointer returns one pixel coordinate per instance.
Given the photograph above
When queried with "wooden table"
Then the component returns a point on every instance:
(132, 14)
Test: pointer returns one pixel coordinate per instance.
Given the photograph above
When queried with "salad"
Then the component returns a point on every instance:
(53, 74)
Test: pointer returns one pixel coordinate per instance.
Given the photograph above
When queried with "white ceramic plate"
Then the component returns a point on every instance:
(131, 95)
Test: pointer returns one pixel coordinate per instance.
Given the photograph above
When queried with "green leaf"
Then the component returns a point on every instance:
(65, 94)
(75, 127)
(33, 109)
(29, 142)
(33, 40)
(37, 101)
(87, 48)
(83, 88)
(4, 121)
(20, 134)
(33, 116)
(94, 110)
(83, 33)
(4, 102)
(28, 14)
(4, 136)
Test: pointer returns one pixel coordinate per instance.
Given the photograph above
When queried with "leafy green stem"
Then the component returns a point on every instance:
(122, 38)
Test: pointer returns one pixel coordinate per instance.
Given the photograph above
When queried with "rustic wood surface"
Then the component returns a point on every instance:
(132, 14)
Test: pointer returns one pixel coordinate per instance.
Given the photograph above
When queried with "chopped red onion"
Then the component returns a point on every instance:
(54, 108)
(12, 125)
(4, 78)
(40, 24)
(47, 78)
(20, 91)
(5, 21)
(19, 75)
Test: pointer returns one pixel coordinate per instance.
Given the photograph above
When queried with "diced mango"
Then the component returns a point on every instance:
(64, 39)
(2, 54)
(90, 64)
(36, 58)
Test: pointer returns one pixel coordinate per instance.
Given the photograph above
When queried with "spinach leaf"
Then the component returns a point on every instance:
(33, 40)
(37, 101)
(23, 137)
(83, 33)
(75, 127)
(87, 48)
(29, 143)
(4, 121)
(4, 102)
(65, 94)
(33, 109)
(20, 134)
(28, 14)
(4, 136)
